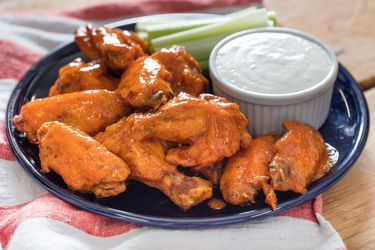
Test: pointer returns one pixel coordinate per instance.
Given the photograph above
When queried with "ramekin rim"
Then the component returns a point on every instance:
(274, 99)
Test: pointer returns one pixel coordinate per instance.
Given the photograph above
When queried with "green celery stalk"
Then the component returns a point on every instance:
(272, 17)
(164, 27)
(143, 35)
(143, 23)
(200, 41)
(158, 30)
(203, 64)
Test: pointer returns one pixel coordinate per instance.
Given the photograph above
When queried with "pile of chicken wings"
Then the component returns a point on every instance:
(129, 114)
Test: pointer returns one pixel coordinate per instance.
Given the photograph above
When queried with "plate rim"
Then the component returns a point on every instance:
(180, 222)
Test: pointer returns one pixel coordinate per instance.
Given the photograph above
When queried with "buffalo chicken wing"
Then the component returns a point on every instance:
(145, 85)
(83, 163)
(116, 48)
(90, 111)
(301, 157)
(209, 128)
(186, 74)
(79, 76)
(247, 172)
(146, 161)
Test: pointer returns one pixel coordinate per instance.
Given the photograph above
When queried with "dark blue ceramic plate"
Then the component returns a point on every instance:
(346, 129)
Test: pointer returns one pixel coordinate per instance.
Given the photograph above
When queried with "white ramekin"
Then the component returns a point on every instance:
(266, 112)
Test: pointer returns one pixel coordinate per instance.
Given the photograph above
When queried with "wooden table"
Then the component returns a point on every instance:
(345, 25)
(350, 204)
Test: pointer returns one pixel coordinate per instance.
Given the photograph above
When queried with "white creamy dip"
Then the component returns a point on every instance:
(272, 63)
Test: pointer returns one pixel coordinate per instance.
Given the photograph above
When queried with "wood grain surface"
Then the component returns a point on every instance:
(347, 26)
(350, 204)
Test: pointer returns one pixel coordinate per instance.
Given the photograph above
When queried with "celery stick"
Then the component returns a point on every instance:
(143, 35)
(142, 24)
(244, 21)
(200, 41)
(158, 30)
(164, 27)
(272, 17)
(203, 64)
(200, 49)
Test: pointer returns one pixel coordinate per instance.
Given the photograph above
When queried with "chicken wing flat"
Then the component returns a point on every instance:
(145, 85)
(186, 73)
(146, 161)
(83, 163)
(247, 172)
(209, 128)
(116, 48)
(90, 111)
(301, 157)
(78, 76)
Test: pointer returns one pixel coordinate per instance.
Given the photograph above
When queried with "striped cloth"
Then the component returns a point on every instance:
(30, 218)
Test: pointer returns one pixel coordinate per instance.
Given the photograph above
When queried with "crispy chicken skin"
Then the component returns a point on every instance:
(212, 172)
(83, 163)
(301, 157)
(90, 111)
(209, 128)
(145, 85)
(186, 74)
(247, 172)
(146, 161)
(116, 48)
(78, 76)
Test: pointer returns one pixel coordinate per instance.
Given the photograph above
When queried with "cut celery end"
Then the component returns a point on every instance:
(143, 35)
(272, 17)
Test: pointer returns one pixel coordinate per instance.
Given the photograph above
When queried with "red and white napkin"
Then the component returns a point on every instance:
(31, 218)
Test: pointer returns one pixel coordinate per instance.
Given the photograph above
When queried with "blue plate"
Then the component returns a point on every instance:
(346, 129)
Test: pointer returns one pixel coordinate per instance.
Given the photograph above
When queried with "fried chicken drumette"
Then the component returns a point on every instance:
(301, 157)
(247, 172)
(145, 85)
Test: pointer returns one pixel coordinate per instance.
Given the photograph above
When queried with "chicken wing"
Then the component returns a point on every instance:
(301, 158)
(247, 172)
(209, 128)
(78, 76)
(145, 85)
(83, 163)
(186, 74)
(146, 161)
(116, 48)
(90, 111)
